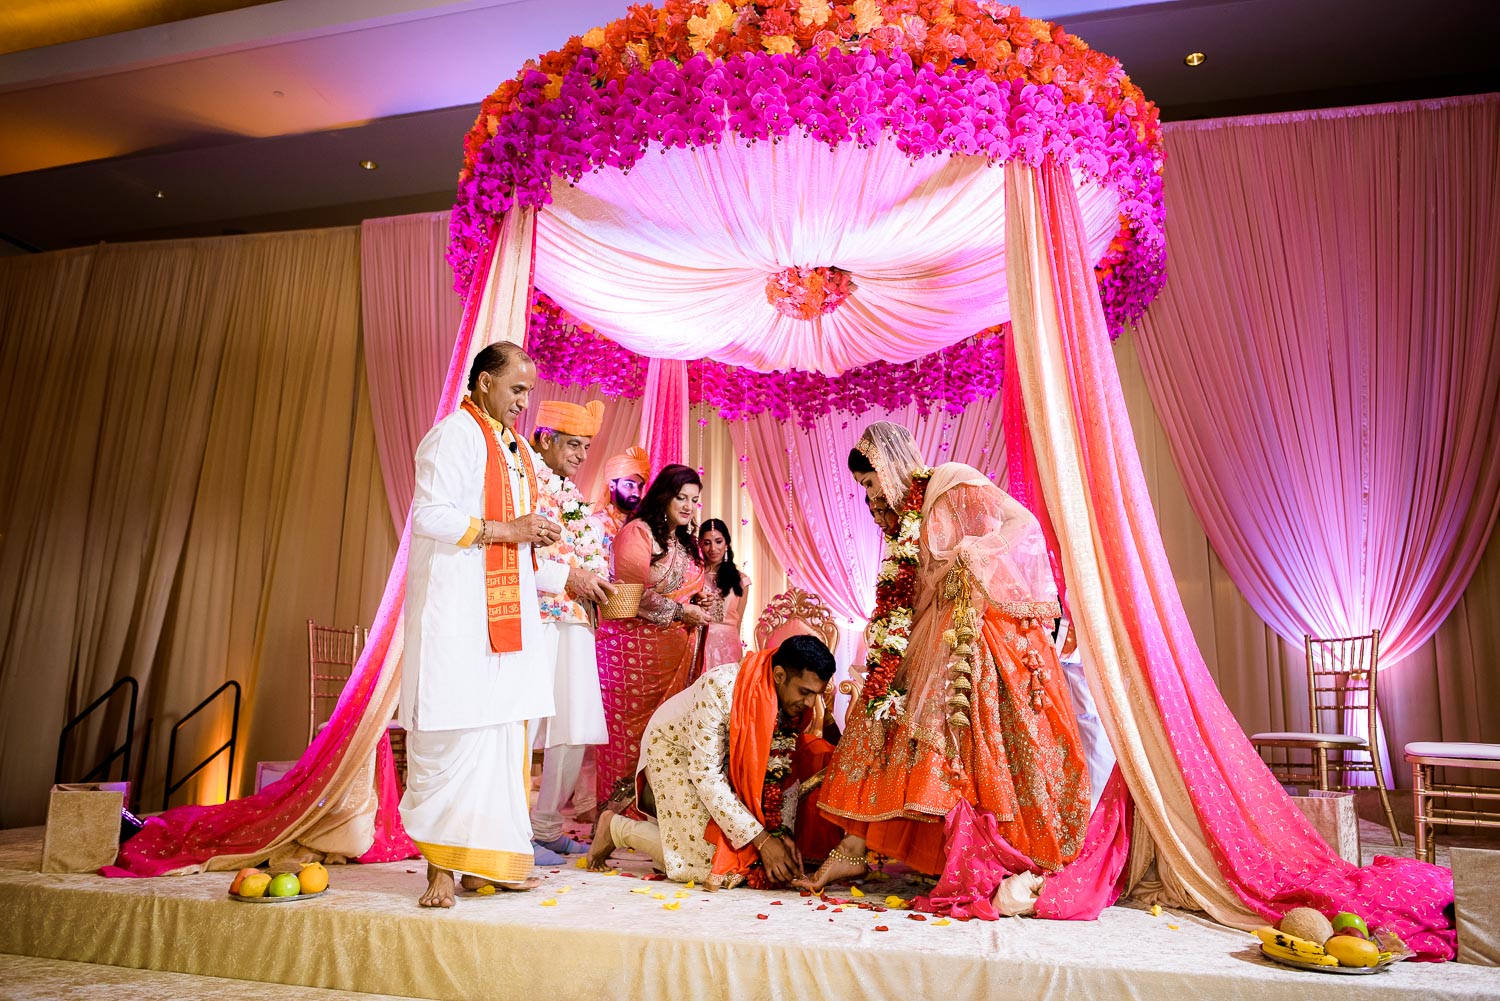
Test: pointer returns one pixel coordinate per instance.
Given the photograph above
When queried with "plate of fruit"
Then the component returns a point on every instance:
(255, 886)
(1307, 940)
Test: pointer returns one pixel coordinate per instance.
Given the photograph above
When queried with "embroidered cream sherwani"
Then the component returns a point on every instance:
(686, 751)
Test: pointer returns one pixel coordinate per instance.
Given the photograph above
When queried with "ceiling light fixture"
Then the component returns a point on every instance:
(369, 165)
(161, 194)
(1195, 58)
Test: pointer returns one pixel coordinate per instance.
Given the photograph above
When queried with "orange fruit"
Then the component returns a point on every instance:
(239, 879)
(313, 878)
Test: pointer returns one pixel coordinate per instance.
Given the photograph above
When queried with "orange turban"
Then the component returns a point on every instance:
(634, 462)
(570, 418)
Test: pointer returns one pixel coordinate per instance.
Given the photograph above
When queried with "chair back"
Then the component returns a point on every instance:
(796, 612)
(1342, 679)
(332, 653)
(793, 612)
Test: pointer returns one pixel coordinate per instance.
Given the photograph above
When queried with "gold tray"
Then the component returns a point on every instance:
(278, 900)
(1352, 971)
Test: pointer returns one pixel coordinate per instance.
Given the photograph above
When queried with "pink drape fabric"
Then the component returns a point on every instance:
(1336, 299)
(813, 512)
(664, 412)
(192, 836)
(409, 314)
(977, 858)
(672, 257)
(1263, 848)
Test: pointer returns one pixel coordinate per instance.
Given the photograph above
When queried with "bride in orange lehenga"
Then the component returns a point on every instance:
(964, 697)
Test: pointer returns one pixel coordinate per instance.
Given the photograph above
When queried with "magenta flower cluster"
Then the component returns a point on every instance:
(839, 98)
(569, 354)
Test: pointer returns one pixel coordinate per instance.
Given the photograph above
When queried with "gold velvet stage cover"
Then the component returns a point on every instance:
(589, 935)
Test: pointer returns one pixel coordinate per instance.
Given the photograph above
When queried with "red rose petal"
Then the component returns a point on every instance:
(775, 903)
(804, 893)
(916, 917)
(761, 917)
(878, 909)
(822, 907)
(881, 928)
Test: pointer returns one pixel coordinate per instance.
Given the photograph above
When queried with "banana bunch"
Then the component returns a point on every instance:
(1280, 945)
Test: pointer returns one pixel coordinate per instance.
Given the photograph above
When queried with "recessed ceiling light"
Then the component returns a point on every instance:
(277, 93)
(1194, 58)
(369, 165)
(161, 194)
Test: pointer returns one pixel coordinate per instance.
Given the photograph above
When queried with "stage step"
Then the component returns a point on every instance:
(26, 978)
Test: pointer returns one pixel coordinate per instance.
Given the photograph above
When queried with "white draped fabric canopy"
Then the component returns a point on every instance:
(672, 259)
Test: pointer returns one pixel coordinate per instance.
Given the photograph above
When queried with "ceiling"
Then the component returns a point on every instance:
(130, 120)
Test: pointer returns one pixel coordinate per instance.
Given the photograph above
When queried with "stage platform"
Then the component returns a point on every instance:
(587, 935)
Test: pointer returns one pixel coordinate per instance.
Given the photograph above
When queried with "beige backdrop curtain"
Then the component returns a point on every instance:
(191, 475)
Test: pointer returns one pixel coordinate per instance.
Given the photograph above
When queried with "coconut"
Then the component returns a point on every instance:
(1304, 922)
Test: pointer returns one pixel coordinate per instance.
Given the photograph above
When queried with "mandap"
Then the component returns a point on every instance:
(842, 195)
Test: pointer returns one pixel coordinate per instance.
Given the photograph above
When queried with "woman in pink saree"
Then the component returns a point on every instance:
(645, 660)
(725, 592)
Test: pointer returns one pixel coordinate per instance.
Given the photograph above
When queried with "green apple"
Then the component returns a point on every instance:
(284, 885)
(1348, 923)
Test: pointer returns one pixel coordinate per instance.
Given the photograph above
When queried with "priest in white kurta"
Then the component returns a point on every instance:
(465, 707)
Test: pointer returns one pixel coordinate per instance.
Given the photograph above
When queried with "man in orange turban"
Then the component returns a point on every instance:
(561, 438)
(625, 477)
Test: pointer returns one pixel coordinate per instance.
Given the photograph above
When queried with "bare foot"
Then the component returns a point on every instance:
(440, 890)
(601, 847)
(587, 816)
(835, 867)
(478, 882)
(716, 882)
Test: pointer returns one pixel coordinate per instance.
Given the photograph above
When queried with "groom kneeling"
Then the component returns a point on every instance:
(721, 760)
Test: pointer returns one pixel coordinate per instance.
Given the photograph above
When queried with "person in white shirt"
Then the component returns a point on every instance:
(474, 668)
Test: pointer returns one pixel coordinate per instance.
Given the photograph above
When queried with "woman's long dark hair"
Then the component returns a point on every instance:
(653, 509)
(728, 577)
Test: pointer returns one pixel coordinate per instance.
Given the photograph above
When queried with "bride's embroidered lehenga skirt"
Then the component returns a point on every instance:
(892, 782)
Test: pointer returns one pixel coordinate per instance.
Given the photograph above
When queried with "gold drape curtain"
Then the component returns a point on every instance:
(189, 474)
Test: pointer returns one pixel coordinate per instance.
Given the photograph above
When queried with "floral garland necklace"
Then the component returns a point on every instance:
(773, 793)
(583, 534)
(895, 593)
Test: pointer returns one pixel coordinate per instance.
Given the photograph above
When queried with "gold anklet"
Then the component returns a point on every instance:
(839, 856)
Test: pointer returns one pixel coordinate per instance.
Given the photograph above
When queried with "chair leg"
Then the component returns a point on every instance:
(1385, 799)
(1424, 850)
(1322, 756)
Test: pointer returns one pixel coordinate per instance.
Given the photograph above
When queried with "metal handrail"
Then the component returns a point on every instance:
(102, 769)
(234, 735)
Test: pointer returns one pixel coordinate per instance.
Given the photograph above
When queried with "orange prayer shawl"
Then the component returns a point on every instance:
(502, 564)
(752, 722)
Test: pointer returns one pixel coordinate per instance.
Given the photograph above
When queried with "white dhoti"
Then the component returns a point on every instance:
(567, 736)
(466, 798)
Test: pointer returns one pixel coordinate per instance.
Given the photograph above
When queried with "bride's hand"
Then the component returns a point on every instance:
(693, 615)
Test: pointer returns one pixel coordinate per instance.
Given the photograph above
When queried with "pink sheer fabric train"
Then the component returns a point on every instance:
(1264, 849)
(250, 829)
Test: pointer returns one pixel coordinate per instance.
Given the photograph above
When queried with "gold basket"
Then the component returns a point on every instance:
(625, 602)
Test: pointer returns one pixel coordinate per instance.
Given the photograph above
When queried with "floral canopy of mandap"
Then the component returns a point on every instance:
(801, 196)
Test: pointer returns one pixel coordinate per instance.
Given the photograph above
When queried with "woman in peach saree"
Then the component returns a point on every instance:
(647, 659)
(971, 703)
